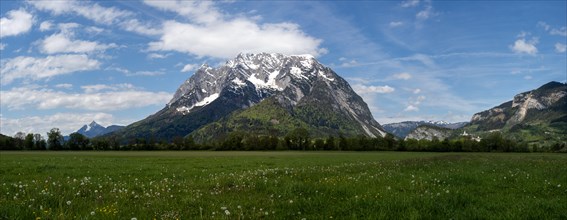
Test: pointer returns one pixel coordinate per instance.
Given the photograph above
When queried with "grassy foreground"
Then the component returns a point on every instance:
(282, 185)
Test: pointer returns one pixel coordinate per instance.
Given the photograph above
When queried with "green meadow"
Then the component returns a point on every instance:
(282, 185)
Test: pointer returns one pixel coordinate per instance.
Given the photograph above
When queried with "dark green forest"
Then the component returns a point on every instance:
(298, 139)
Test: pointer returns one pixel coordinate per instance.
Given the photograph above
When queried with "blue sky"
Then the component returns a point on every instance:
(66, 63)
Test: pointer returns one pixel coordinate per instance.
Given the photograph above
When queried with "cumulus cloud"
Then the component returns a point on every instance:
(560, 48)
(561, 31)
(350, 63)
(95, 98)
(113, 87)
(157, 56)
(522, 46)
(16, 22)
(409, 3)
(402, 76)
(411, 108)
(212, 34)
(396, 23)
(188, 67)
(66, 122)
(145, 73)
(32, 68)
(363, 89)
(88, 10)
(45, 26)
(63, 43)
(200, 12)
(413, 105)
(64, 86)
(134, 25)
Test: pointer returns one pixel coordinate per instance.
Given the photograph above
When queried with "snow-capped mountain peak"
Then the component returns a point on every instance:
(267, 73)
(293, 81)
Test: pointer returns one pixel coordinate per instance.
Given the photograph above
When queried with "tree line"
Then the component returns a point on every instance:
(297, 139)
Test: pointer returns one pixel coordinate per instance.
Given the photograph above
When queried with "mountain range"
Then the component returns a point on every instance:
(402, 129)
(94, 129)
(264, 94)
(538, 116)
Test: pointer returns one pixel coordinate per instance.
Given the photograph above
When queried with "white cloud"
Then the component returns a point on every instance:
(396, 23)
(17, 22)
(349, 63)
(560, 48)
(157, 56)
(425, 13)
(411, 108)
(416, 91)
(62, 43)
(44, 68)
(2, 46)
(528, 77)
(45, 26)
(362, 89)
(562, 31)
(200, 12)
(414, 103)
(64, 86)
(97, 98)
(403, 76)
(544, 25)
(94, 30)
(101, 87)
(66, 122)
(409, 3)
(136, 26)
(188, 67)
(212, 34)
(523, 46)
(88, 10)
(145, 73)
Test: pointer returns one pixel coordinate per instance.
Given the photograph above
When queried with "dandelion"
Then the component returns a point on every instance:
(68, 202)
(290, 201)
(223, 208)
(558, 185)
(134, 218)
(447, 191)
(226, 212)
(92, 213)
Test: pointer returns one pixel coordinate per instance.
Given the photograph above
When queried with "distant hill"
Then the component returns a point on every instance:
(536, 116)
(429, 132)
(402, 129)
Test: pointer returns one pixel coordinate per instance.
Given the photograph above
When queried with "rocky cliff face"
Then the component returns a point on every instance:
(429, 132)
(525, 107)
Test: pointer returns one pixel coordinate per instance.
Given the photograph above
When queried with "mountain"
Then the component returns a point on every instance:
(428, 132)
(253, 92)
(537, 116)
(94, 129)
(402, 129)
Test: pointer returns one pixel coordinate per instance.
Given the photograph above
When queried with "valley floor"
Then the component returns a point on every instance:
(282, 185)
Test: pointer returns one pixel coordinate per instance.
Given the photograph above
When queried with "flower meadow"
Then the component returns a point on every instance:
(282, 185)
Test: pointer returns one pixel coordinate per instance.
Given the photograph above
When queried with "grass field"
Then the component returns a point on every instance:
(282, 185)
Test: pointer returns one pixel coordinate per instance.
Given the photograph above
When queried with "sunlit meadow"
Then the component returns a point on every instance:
(281, 185)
